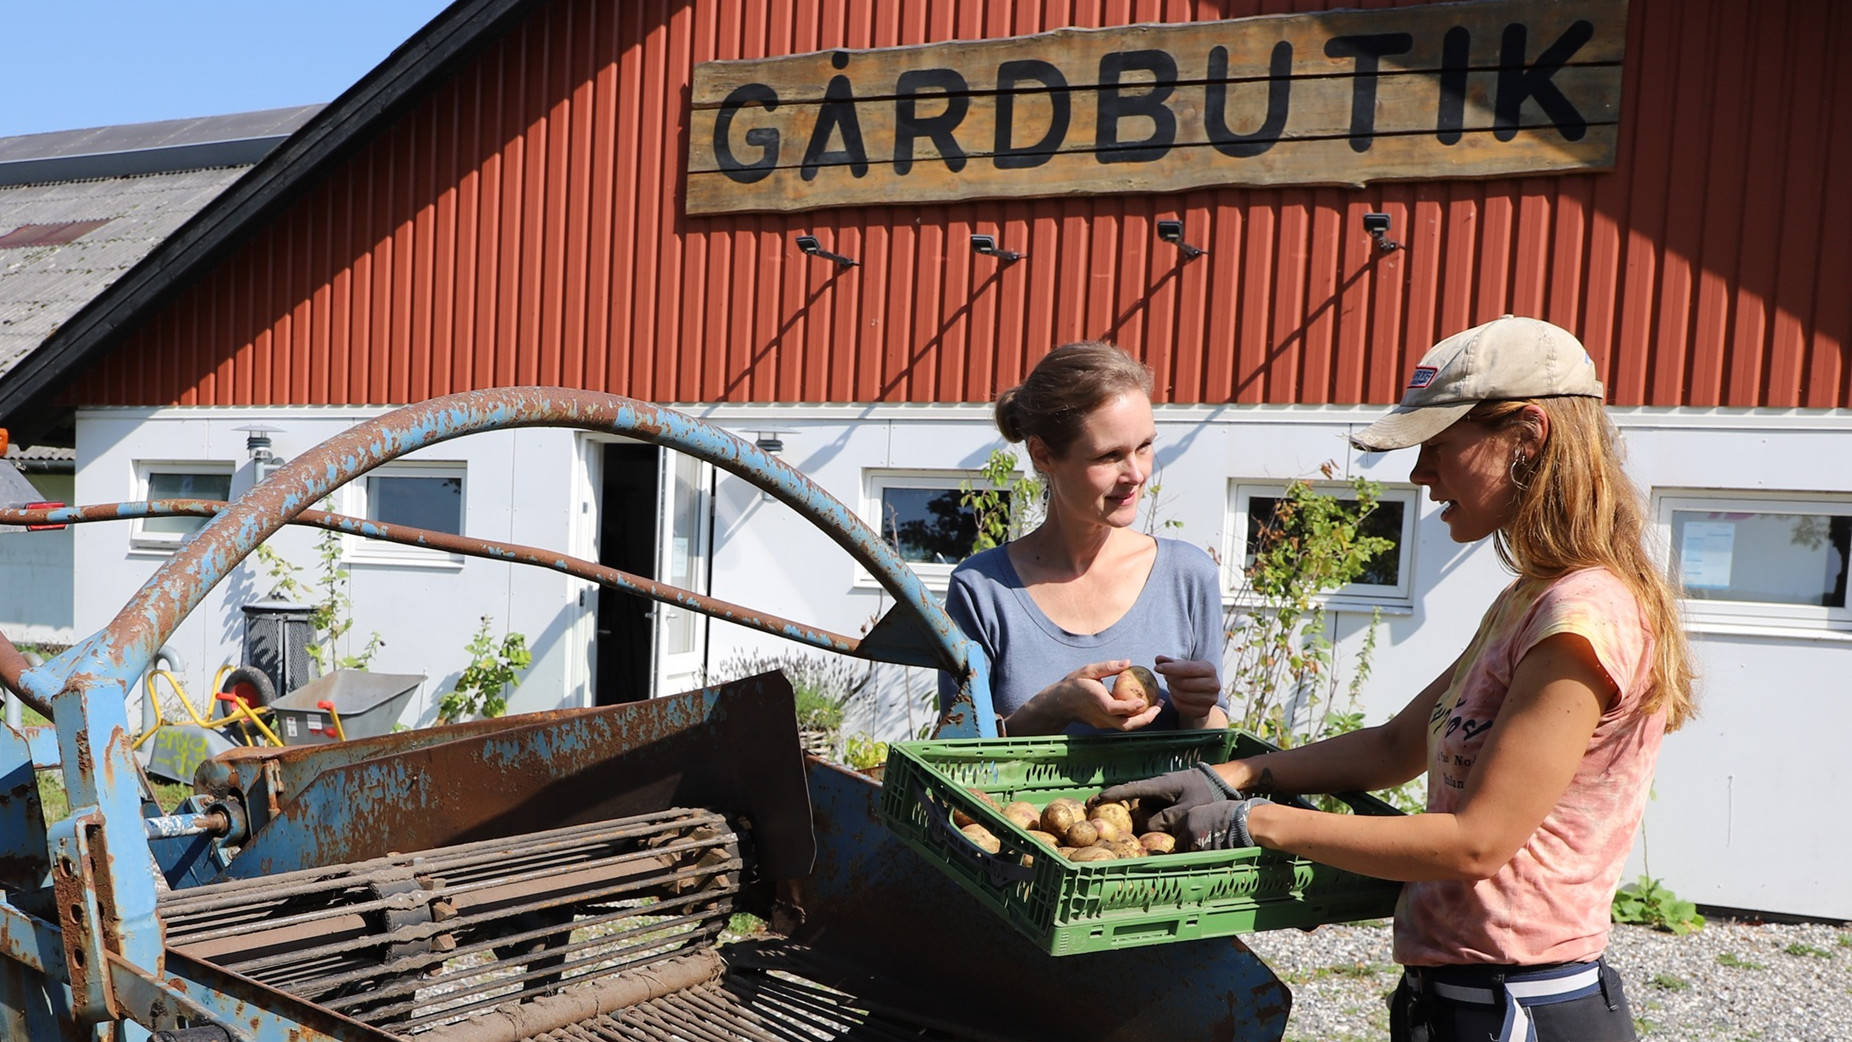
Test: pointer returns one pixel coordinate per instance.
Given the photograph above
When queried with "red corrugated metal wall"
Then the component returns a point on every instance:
(522, 225)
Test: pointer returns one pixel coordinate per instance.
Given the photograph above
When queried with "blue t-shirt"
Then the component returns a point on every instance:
(1178, 613)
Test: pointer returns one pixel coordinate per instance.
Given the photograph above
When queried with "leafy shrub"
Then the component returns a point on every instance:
(864, 752)
(1283, 682)
(494, 669)
(1649, 903)
(824, 686)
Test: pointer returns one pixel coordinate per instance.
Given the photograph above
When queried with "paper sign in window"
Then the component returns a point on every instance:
(1704, 554)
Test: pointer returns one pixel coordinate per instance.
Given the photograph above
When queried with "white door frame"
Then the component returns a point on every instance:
(684, 558)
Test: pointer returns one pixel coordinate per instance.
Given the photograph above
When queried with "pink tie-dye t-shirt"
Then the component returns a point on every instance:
(1550, 903)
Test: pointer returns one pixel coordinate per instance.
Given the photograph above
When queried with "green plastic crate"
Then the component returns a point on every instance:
(1068, 907)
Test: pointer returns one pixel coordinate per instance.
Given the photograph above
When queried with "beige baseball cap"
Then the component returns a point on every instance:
(1508, 357)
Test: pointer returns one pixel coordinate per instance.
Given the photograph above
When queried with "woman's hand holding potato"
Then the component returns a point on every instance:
(1080, 696)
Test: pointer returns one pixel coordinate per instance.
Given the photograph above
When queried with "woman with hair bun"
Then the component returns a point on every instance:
(1067, 607)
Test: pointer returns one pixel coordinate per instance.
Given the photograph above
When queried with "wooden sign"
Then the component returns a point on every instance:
(1480, 89)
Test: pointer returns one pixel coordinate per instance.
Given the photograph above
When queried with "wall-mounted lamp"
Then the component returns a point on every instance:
(264, 460)
(810, 246)
(1377, 224)
(1172, 232)
(771, 442)
(987, 245)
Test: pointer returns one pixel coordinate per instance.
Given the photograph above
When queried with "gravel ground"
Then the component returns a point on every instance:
(1727, 982)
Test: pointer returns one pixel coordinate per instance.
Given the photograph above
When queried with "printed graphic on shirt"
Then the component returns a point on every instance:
(1455, 735)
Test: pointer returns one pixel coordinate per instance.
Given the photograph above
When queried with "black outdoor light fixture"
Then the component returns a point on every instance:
(809, 245)
(1377, 224)
(987, 245)
(1172, 232)
(264, 460)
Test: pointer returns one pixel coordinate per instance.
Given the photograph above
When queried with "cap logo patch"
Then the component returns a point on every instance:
(1424, 375)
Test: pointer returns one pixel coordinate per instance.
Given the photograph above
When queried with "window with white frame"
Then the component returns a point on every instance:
(177, 481)
(921, 515)
(428, 496)
(1385, 581)
(1759, 559)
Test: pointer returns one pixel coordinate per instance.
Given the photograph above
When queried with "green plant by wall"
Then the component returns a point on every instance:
(863, 752)
(1283, 681)
(824, 686)
(1157, 517)
(1648, 902)
(1005, 503)
(331, 609)
(494, 669)
(818, 710)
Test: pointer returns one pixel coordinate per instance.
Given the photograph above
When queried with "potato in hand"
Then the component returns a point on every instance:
(1136, 682)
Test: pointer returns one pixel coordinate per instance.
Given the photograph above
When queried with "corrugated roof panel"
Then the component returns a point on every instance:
(523, 223)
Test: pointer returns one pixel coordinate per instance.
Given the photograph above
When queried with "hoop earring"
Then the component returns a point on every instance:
(1519, 465)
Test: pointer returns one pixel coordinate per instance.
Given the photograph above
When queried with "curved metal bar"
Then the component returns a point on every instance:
(490, 549)
(125, 647)
(13, 666)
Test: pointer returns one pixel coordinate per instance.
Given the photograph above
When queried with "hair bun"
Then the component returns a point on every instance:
(1008, 415)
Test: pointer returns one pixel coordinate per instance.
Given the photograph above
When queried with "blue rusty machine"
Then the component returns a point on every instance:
(556, 876)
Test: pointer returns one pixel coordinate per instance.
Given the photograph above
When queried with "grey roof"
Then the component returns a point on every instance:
(41, 286)
(40, 454)
(240, 139)
(145, 179)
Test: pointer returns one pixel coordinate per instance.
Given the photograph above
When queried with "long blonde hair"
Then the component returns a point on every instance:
(1578, 509)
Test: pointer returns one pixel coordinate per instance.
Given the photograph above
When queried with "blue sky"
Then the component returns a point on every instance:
(90, 63)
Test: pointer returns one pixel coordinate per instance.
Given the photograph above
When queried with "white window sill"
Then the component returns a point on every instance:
(1346, 605)
(1773, 630)
(432, 560)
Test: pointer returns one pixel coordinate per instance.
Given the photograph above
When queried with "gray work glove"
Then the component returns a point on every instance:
(1218, 826)
(1172, 796)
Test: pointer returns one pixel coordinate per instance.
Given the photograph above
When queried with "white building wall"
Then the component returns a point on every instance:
(1735, 821)
(35, 572)
(426, 611)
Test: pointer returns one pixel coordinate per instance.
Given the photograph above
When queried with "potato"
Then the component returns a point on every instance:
(1092, 854)
(1115, 811)
(1126, 847)
(1106, 831)
(982, 836)
(1066, 852)
(1081, 834)
(1136, 682)
(1023, 813)
(1061, 814)
(1158, 842)
(1046, 838)
(960, 818)
(1141, 819)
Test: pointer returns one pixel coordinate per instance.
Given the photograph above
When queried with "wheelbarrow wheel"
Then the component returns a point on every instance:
(252, 685)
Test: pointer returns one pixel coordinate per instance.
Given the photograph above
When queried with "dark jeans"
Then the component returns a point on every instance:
(1421, 1016)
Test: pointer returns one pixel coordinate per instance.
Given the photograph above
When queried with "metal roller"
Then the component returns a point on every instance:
(411, 942)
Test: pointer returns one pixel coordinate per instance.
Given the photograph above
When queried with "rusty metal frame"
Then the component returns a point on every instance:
(112, 955)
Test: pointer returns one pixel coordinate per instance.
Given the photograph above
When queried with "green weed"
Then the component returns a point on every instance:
(1731, 960)
(1650, 903)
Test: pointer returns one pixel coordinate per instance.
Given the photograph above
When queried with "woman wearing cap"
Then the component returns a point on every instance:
(1539, 741)
(1084, 596)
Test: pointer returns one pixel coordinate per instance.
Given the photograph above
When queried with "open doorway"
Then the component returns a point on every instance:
(655, 521)
(627, 541)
